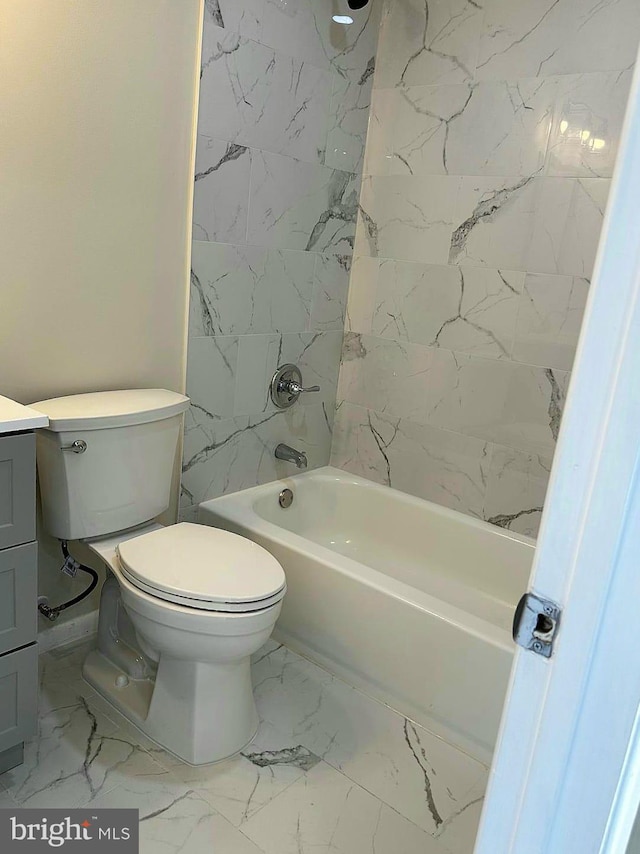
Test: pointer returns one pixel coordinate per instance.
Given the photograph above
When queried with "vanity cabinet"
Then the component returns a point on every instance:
(18, 596)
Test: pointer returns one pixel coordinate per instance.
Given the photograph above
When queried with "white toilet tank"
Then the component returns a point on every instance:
(118, 473)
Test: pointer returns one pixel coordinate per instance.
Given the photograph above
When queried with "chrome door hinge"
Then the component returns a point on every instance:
(535, 624)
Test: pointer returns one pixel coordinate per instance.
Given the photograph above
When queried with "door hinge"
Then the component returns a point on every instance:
(535, 624)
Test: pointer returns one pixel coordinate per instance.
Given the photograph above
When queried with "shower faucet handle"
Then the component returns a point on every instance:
(295, 388)
(286, 386)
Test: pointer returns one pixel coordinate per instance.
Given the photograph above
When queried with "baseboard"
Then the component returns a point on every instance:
(71, 630)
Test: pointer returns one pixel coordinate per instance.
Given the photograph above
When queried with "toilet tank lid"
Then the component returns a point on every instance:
(105, 409)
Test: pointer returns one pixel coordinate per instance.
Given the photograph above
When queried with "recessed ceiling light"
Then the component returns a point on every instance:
(343, 19)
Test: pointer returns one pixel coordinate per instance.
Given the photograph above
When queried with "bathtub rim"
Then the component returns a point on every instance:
(237, 508)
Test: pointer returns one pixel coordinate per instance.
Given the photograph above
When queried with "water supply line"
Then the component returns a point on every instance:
(70, 567)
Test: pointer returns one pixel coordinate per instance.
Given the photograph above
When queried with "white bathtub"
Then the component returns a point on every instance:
(402, 598)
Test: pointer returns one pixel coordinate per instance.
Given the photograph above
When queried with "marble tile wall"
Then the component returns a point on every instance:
(493, 135)
(284, 106)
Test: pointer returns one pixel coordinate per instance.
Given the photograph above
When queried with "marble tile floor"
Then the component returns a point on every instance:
(330, 770)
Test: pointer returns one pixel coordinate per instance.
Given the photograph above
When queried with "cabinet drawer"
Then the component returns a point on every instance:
(17, 489)
(18, 596)
(18, 696)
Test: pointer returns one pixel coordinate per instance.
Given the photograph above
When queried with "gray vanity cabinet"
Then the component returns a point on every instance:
(18, 701)
(18, 596)
(17, 489)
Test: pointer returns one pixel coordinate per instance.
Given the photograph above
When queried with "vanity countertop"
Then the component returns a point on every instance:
(14, 416)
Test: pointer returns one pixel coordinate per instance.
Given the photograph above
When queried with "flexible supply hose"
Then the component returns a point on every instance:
(53, 613)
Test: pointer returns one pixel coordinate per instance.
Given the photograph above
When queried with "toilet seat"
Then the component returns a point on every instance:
(202, 567)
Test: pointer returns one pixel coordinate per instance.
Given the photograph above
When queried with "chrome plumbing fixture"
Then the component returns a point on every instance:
(286, 386)
(285, 499)
(290, 455)
(77, 447)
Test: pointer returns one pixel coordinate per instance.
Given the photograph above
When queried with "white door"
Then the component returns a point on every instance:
(566, 774)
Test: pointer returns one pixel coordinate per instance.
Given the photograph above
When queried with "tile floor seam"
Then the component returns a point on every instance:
(375, 700)
(309, 707)
(202, 794)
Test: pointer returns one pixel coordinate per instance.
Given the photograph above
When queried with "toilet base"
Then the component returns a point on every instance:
(202, 712)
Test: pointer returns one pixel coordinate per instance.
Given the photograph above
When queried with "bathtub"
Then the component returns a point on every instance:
(404, 599)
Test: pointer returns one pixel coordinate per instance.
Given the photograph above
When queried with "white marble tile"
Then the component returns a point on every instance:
(78, 754)
(549, 320)
(211, 374)
(239, 787)
(468, 309)
(188, 825)
(6, 801)
(532, 409)
(258, 358)
(317, 354)
(567, 225)
(494, 219)
(237, 453)
(587, 123)
(61, 688)
(241, 16)
(500, 401)
(467, 394)
(325, 812)
(217, 457)
(557, 37)
(380, 135)
(516, 489)
(223, 171)
(297, 205)
(348, 121)
(361, 438)
(64, 662)
(439, 465)
(173, 818)
(306, 428)
(406, 217)
(330, 288)
(428, 41)
(385, 375)
(385, 785)
(249, 289)
(417, 774)
(226, 456)
(362, 294)
(437, 130)
(254, 96)
(433, 464)
(458, 832)
(537, 224)
(305, 29)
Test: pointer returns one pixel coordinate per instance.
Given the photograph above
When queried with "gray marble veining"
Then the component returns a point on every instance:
(329, 769)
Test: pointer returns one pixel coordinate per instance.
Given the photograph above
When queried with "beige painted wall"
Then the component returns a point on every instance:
(97, 103)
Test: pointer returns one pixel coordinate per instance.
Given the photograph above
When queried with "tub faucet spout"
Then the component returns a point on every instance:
(290, 455)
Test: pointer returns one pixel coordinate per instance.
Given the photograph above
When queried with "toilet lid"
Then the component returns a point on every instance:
(203, 567)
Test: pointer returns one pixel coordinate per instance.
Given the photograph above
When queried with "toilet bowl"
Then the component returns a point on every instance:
(183, 606)
(183, 676)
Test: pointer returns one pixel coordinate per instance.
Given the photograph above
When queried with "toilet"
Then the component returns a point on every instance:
(183, 606)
